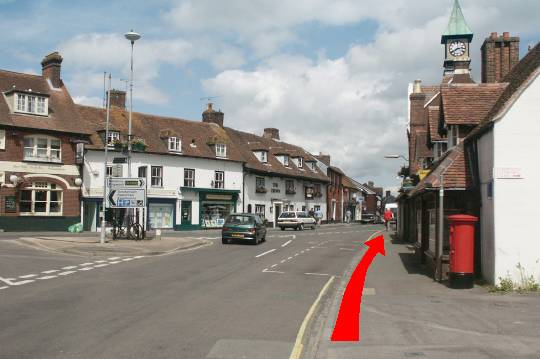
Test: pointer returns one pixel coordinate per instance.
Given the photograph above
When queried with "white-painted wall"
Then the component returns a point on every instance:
(516, 137)
(269, 198)
(173, 176)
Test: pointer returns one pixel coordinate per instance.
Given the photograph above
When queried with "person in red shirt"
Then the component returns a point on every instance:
(388, 215)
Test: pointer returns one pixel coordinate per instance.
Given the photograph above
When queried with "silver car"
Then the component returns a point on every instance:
(295, 219)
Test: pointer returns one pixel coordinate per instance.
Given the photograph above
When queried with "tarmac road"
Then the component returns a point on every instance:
(218, 301)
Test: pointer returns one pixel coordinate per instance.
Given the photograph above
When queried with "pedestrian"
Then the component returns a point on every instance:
(311, 213)
(388, 216)
(318, 216)
(348, 215)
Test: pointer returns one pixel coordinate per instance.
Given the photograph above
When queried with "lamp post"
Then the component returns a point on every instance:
(132, 37)
(396, 157)
(106, 154)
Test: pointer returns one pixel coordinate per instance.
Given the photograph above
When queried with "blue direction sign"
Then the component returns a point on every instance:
(126, 192)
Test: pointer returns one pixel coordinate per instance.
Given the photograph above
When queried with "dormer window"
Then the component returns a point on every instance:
(453, 136)
(113, 137)
(300, 162)
(33, 104)
(175, 144)
(221, 150)
(286, 160)
(311, 165)
(262, 156)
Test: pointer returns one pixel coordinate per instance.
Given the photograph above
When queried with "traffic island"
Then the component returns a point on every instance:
(90, 247)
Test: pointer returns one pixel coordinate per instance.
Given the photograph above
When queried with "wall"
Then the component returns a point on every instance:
(487, 243)
(269, 198)
(516, 200)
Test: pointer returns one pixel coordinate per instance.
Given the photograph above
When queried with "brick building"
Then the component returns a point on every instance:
(41, 146)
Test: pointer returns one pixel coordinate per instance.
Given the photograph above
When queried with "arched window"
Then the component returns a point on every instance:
(41, 199)
(42, 149)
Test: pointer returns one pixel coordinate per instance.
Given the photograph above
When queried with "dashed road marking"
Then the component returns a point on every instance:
(50, 271)
(86, 268)
(69, 267)
(5, 287)
(283, 261)
(265, 253)
(47, 277)
(273, 266)
(67, 272)
(346, 249)
(115, 262)
(113, 258)
(286, 243)
(86, 264)
(23, 282)
(101, 261)
(289, 258)
(101, 265)
(272, 271)
(138, 257)
(27, 276)
(318, 274)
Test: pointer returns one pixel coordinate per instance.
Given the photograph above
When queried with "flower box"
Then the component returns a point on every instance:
(261, 190)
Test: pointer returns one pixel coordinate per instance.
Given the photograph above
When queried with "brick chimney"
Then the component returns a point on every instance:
(324, 158)
(50, 68)
(118, 99)
(272, 133)
(499, 55)
(212, 116)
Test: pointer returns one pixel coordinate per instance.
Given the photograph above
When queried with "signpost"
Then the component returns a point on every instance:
(126, 192)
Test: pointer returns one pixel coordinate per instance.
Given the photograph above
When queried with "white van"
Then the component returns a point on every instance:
(296, 220)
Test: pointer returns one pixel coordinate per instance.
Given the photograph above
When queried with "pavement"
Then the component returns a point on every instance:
(212, 302)
(405, 314)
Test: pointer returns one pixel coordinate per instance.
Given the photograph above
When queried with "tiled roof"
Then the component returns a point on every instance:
(453, 167)
(468, 104)
(434, 115)
(422, 149)
(248, 142)
(347, 182)
(155, 131)
(337, 169)
(518, 78)
(430, 92)
(62, 115)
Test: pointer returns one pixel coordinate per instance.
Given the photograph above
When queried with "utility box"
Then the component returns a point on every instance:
(461, 274)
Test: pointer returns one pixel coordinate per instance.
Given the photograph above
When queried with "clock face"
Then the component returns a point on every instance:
(457, 48)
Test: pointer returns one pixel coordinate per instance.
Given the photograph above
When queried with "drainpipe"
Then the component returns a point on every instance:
(438, 269)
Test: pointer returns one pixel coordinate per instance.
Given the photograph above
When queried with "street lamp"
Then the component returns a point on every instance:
(132, 36)
(395, 157)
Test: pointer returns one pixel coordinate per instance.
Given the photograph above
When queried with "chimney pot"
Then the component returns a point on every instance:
(494, 35)
(506, 34)
(118, 99)
(212, 116)
(272, 133)
(417, 87)
(50, 68)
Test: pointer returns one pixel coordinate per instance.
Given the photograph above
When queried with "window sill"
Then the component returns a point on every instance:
(38, 160)
(30, 113)
(26, 214)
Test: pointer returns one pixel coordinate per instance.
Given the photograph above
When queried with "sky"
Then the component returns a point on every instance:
(332, 75)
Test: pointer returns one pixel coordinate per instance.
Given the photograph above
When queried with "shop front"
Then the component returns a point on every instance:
(214, 206)
(161, 213)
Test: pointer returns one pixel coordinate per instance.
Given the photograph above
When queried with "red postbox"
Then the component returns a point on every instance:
(462, 251)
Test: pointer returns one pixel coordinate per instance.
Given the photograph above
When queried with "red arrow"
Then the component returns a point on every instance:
(347, 328)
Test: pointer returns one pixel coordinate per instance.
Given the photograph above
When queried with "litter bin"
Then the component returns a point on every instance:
(461, 274)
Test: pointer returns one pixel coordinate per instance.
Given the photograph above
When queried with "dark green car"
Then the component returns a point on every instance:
(243, 227)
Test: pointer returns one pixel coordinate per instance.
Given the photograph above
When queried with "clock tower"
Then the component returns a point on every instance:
(457, 42)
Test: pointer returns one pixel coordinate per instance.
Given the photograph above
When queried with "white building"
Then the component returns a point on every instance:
(507, 173)
(279, 176)
(194, 173)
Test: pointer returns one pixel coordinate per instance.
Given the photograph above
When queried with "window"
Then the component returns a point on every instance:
(311, 165)
(42, 198)
(157, 176)
(439, 149)
(289, 187)
(453, 136)
(113, 136)
(259, 182)
(43, 149)
(31, 104)
(219, 179)
(189, 177)
(286, 161)
(262, 156)
(317, 190)
(109, 171)
(142, 172)
(221, 150)
(175, 144)
(300, 162)
(259, 209)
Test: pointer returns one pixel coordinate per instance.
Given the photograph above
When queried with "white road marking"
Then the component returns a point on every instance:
(319, 274)
(50, 271)
(69, 267)
(369, 291)
(101, 265)
(27, 276)
(5, 287)
(296, 254)
(289, 258)
(86, 264)
(115, 262)
(86, 268)
(127, 259)
(286, 243)
(346, 249)
(283, 261)
(101, 261)
(47, 277)
(272, 271)
(265, 253)
(273, 266)
(138, 257)
(23, 282)
(113, 258)
(67, 272)
(301, 251)
(307, 249)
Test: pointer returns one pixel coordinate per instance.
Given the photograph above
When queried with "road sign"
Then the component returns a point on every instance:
(126, 192)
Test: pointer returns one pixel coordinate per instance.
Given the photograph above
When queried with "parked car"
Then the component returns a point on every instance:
(244, 227)
(296, 220)
(368, 218)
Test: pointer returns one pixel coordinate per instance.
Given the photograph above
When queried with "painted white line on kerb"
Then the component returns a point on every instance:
(298, 346)
(265, 253)
(286, 243)
(27, 276)
(50, 271)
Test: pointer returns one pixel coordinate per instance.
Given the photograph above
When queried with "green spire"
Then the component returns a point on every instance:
(457, 25)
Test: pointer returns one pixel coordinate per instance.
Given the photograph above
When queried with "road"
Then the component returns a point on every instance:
(216, 302)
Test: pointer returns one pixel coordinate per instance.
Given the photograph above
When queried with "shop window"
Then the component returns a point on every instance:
(157, 176)
(42, 198)
(42, 149)
(213, 214)
(189, 177)
(219, 179)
